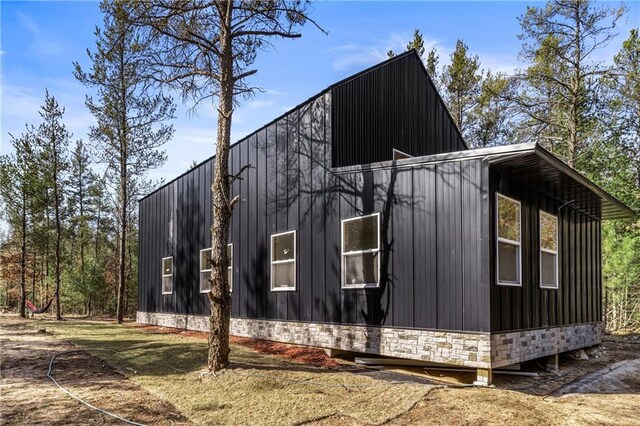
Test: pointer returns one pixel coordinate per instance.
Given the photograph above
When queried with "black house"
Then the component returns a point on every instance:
(366, 224)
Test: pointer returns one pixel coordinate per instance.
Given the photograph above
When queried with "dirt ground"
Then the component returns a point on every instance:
(28, 397)
(603, 389)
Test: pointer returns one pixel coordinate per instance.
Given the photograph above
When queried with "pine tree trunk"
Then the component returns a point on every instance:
(219, 295)
(58, 251)
(123, 198)
(122, 244)
(23, 257)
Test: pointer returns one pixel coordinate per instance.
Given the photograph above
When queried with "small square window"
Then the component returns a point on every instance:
(283, 261)
(167, 275)
(361, 251)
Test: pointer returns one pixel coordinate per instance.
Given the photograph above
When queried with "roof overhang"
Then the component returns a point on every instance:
(531, 165)
(535, 167)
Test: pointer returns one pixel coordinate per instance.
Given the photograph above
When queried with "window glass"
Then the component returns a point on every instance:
(361, 234)
(205, 260)
(283, 275)
(508, 219)
(548, 232)
(548, 269)
(167, 275)
(167, 266)
(283, 261)
(361, 268)
(509, 263)
(360, 256)
(283, 246)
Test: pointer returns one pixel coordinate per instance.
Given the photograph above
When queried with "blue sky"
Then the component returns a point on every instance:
(40, 40)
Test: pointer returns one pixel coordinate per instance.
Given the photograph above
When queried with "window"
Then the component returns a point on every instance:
(283, 261)
(508, 232)
(167, 275)
(399, 155)
(548, 250)
(360, 251)
(205, 269)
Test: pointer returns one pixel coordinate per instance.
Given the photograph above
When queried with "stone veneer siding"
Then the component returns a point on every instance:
(447, 347)
(477, 350)
(518, 346)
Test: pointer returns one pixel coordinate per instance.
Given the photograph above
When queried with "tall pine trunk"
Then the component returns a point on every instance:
(23, 257)
(57, 202)
(219, 295)
(122, 236)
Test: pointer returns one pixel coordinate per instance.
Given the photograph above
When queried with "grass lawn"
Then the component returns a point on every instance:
(257, 389)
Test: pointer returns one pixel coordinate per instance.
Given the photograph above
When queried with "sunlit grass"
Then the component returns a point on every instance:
(257, 389)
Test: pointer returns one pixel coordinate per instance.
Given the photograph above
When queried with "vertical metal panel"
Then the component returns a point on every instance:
(303, 179)
(425, 255)
(315, 149)
(449, 240)
(579, 287)
(394, 105)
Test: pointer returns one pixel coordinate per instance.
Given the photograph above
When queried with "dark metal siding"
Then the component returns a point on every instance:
(431, 264)
(395, 105)
(578, 299)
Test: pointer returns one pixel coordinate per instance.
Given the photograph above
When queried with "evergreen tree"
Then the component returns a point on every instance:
(207, 51)
(81, 206)
(130, 130)
(559, 94)
(461, 82)
(417, 43)
(17, 186)
(492, 113)
(52, 140)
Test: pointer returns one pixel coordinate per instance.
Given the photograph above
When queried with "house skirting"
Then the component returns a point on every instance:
(518, 346)
(468, 349)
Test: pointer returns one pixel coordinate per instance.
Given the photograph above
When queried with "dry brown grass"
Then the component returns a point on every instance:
(257, 389)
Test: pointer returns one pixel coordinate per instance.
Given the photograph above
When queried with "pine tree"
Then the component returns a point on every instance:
(492, 113)
(52, 140)
(17, 188)
(81, 208)
(207, 51)
(130, 131)
(461, 82)
(559, 94)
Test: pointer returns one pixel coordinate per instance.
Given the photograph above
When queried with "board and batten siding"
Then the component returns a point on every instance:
(431, 260)
(578, 298)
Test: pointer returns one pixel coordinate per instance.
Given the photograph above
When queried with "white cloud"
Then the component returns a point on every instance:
(353, 55)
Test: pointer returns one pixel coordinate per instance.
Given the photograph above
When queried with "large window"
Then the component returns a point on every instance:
(548, 250)
(361, 251)
(509, 250)
(167, 275)
(205, 269)
(283, 261)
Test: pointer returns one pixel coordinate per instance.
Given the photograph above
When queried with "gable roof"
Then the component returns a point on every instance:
(339, 83)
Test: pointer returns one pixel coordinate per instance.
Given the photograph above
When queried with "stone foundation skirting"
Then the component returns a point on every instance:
(477, 350)
(457, 348)
(518, 346)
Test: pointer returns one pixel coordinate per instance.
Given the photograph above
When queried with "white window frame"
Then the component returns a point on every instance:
(167, 275)
(229, 268)
(279, 262)
(508, 241)
(554, 252)
(344, 254)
